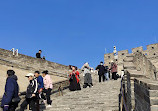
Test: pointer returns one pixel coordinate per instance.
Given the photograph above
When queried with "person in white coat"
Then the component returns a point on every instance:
(87, 75)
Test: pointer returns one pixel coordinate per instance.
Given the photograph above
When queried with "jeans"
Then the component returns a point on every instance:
(106, 76)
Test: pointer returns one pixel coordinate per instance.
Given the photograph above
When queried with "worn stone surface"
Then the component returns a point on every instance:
(101, 97)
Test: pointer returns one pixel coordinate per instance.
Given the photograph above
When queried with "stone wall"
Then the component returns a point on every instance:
(144, 65)
(151, 53)
(31, 63)
(146, 95)
(141, 85)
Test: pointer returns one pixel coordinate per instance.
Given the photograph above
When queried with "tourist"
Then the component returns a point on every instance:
(114, 70)
(106, 72)
(31, 92)
(38, 55)
(48, 86)
(40, 82)
(10, 98)
(101, 71)
(87, 75)
(74, 79)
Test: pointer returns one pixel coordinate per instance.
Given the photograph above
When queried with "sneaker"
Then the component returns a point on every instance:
(49, 106)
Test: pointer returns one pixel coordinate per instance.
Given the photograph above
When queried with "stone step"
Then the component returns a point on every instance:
(154, 100)
(129, 55)
(128, 59)
(153, 93)
(154, 108)
(129, 65)
(101, 97)
(134, 71)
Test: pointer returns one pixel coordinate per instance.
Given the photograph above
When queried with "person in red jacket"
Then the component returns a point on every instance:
(74, 79)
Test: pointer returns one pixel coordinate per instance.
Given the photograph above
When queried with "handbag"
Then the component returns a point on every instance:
(71, 78)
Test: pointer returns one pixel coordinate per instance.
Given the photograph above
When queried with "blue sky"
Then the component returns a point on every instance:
(77, 31)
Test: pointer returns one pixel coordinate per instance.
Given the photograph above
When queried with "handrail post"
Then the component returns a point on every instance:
(15, 51)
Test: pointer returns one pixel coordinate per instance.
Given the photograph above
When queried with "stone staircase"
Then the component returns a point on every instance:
(101, 97)
(141, 90)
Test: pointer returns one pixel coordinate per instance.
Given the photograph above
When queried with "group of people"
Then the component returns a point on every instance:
(104, 71)
(74, 77)
(39, 88)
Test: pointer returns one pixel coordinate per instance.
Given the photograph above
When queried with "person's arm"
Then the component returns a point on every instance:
(50, 82)
(77, 73)
(22, 93)
(35, 86)
(41, 87)
(97, 68)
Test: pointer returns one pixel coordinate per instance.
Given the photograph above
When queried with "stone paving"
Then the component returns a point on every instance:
(101, 97)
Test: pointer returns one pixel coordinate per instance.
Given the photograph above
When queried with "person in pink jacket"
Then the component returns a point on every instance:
(48, 86)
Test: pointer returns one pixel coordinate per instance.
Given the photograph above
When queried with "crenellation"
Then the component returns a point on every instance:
(151, 53)
(137, 49)
(121, 55)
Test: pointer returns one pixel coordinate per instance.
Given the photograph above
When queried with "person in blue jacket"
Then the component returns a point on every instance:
(40, 82)
(11, 92)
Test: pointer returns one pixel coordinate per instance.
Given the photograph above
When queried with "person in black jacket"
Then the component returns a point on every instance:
(38, 55)
(11, 92)
(101, 71)
(31, 92)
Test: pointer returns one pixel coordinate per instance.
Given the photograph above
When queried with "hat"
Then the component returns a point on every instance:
(101, 62)
(29, 74)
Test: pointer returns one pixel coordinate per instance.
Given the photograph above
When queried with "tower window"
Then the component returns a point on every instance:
(152, 47)
(109, 57)
(123, 54)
